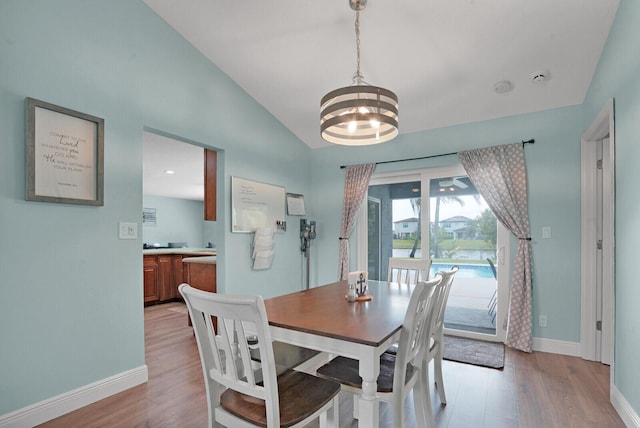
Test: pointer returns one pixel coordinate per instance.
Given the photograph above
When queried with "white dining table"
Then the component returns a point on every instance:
(321, 318)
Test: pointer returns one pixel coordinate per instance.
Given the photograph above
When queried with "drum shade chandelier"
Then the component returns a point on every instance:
(359, 114)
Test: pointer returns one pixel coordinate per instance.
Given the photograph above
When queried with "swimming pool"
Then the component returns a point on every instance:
(465, 270)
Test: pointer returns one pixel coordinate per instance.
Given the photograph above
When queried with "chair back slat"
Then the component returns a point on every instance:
(416, 330)
(442, 296)
(245, 352)
(408, 271)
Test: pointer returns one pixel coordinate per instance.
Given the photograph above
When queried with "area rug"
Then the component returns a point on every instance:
(476, 352)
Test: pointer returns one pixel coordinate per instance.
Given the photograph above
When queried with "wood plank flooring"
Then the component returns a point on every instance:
(533, 390)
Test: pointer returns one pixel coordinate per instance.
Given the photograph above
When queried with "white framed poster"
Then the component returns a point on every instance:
(295, 204)
(64, 155)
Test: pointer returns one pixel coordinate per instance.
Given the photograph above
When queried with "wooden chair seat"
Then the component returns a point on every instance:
(345, 371)
(299, 394)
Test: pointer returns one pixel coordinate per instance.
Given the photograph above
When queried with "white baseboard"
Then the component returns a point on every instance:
(53, 407)
(624, 409)
(556, 346)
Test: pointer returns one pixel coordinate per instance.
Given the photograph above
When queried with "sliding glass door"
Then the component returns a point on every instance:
(393, 224)
(438, 213)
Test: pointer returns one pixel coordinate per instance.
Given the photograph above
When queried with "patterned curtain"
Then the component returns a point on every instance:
(499, 173)
(356, 182)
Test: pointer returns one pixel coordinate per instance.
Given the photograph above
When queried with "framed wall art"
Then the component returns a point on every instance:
(64, 155)
(295, 204)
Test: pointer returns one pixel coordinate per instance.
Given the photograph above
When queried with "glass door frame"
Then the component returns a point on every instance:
(504, 239)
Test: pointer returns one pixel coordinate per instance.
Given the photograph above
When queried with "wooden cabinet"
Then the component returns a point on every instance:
(201, 275)
(150, 279)
(162, 274)
(177, 272)
(167, 289)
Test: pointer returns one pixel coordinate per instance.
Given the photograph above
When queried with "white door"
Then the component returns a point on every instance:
(604, 291)
(598, 238)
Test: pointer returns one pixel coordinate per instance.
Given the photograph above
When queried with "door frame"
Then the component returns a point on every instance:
(594, 345)
(378, 207)
(504, 239)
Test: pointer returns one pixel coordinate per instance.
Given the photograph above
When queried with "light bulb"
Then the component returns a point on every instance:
(374, 124)
(352, 126)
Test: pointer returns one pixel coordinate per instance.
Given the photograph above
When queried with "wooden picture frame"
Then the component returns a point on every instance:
(64, 155)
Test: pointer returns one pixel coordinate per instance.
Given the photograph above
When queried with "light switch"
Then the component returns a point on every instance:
(128, 230)
(546, 232)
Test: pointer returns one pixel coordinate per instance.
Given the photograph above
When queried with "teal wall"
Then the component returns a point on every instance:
(177, 220)
(553, 166)
(71, 310)
(618, 77)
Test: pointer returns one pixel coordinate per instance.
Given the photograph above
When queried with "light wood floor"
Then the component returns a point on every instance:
(533, 390)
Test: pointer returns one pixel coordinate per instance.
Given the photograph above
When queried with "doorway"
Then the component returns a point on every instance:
(179, 211)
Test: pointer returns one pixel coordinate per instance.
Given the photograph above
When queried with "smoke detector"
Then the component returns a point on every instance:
(540, 76)
(502, 87)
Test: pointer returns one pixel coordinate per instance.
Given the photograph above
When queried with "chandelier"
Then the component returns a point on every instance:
(359, 114)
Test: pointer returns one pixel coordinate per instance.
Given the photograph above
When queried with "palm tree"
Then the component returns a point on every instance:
(415, 205)
(436, 222)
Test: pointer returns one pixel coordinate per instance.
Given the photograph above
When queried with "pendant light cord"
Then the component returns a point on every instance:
(358, 77)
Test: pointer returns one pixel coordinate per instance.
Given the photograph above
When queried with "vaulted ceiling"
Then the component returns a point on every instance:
(448, 61)
(442, 58)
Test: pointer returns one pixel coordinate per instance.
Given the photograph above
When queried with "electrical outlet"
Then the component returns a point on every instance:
(546, 232)
(542, 321)
(128, 230)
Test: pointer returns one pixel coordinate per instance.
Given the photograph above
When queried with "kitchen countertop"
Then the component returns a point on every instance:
(182, 251)
(210, 260)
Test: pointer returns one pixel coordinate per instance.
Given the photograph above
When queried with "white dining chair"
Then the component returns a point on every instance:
(408, 271)
(436, 343)
(400, 373)
(238, 397)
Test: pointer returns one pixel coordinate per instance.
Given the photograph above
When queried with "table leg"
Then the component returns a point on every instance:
(368, 403)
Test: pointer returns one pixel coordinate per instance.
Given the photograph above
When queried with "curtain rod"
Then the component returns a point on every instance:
(531, 141)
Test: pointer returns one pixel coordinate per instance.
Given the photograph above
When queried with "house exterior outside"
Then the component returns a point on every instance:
(404, 229)
(459, 227)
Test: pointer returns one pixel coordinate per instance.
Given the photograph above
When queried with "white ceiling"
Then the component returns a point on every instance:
(161, 154)
(441, 57)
